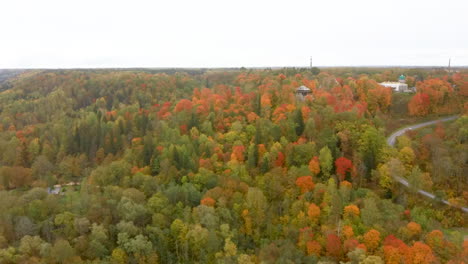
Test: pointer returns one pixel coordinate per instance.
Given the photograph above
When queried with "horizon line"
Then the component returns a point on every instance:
(236, 67)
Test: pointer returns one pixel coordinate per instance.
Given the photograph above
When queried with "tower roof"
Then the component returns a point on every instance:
(302, 88)
(402, 77)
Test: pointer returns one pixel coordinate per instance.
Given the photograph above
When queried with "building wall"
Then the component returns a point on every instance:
(396, 86)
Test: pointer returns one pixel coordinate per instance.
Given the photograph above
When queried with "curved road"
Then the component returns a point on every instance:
(391, 142)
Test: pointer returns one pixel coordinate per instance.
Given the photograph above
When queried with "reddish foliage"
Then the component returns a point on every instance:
(440, 131)
(350, 245)
(343, 165)
(435, 88)
(279, 162)
(333, 245)
(392, 241)
(305, 183)
(205, 163)
(164, 113)
(160, 149)
(208, 201)
(238, 153)
(183, 129)
(251, 117)
(419, 104)
(183, 105)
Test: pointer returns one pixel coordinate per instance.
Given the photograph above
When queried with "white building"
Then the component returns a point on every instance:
(399, 86)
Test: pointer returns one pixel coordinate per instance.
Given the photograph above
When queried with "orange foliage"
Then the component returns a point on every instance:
(183, 105)
(314, 165)
(348, 231)
(419, 105)
(392, 241)
(251, 117)
(362, 246)
(413, 228)
(435, 239)
(238, 153)
(164, 113)
(313, 212)
(305, 183)
(440, 131)
(247, 222)
(435, 88)
(392, 255)
(265, 100)
(351, 210)
(465, 249)
(379, 98)
(208, 201)
(261, 150)
(136, 141)
(313, 248)
(439, 98)
(346, 184)
(281, 111)
(420, 253)
(205, 163)
(372, 239)
(136, 169)
(305, 112)
(461, 81)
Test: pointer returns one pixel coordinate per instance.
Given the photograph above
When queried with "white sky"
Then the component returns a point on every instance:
(217, 33)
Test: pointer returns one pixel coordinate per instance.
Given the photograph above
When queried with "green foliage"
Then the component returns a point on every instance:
(326, 161)
(202, 167)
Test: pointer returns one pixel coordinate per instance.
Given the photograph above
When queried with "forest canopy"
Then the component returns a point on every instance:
(229, 166)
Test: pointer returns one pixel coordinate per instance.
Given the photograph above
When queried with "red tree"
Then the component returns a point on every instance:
(343, 165)
(419, 104)
(208, 201)
(333, 245)
(183, 105)
(279, 162)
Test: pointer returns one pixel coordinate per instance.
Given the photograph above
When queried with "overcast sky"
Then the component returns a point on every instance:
(198, 33)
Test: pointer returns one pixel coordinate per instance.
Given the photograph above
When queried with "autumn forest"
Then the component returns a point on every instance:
(231, 166)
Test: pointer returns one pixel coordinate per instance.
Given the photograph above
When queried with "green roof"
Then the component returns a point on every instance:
(402, 77)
